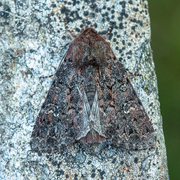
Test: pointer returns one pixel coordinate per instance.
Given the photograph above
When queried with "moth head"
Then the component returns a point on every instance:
(89, 47)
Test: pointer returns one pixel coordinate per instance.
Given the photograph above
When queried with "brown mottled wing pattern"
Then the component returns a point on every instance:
(126, 123)
(57, 123)
(91, 100)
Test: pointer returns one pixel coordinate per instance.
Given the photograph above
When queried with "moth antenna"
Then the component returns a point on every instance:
(72, 35)
(46, 76)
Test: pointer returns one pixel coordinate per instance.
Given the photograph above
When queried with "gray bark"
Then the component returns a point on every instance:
(33, 38)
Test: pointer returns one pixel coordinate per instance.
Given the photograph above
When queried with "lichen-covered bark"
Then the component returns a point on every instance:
(34, 38)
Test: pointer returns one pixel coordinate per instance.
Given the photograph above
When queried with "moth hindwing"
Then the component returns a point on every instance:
(91, 100)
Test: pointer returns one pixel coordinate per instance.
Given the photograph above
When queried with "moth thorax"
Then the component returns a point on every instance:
(90, 87)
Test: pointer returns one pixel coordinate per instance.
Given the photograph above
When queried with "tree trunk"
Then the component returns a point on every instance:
(34, 37)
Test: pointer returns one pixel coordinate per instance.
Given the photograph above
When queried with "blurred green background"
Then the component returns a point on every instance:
(165, 42)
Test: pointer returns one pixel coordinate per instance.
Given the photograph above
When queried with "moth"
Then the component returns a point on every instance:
(91, 100)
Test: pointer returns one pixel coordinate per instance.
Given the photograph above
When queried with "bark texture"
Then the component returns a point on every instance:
(34, 36)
